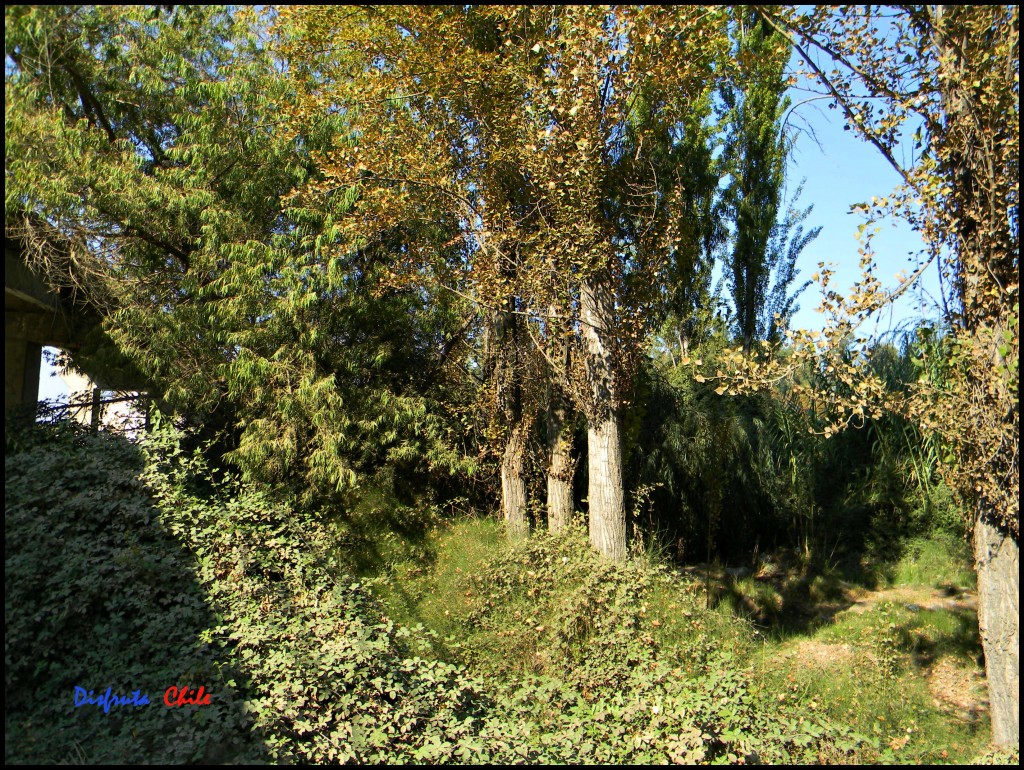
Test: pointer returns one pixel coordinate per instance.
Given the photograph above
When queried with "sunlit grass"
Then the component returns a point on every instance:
(939, 560)
(865, 664)
(870, 669)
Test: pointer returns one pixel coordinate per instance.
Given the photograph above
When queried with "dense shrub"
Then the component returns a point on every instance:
(130, 567)
(330, 678)
(725, 477)
(112, 583)
(98, 594)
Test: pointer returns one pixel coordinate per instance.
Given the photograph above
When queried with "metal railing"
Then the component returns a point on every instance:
(92, 410)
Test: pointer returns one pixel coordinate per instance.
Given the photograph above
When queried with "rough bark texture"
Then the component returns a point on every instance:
(513, 486)
(509, 396)
(607, 506)
(560, 462)
(604, 452)
(979, 154)
(997, 558)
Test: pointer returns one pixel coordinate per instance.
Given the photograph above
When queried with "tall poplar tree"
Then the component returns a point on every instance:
(698, 232)
(764, 242)
(572, 101)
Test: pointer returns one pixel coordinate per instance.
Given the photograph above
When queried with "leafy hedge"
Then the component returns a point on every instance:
(98, 594)
(329, 677)
(112, 583)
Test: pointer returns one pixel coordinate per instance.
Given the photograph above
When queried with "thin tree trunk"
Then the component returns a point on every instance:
(606, 500)
(997, 559)
(510, 410)
(560, 462)
(513, 485)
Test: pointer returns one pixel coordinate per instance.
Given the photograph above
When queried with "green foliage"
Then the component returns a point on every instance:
(1004, 755)
(620, 663)
(941, 560)
(330, 677)
(347, 383)
(98, 594)
(878, 672)
(427, 578)
(757, 148)
(737, 476)
(147, 156)
(227, 590)
(136, 569)
(151, 154)
(727, 476)
(698, 227)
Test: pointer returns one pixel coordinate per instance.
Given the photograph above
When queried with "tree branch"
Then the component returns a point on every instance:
(790, 34)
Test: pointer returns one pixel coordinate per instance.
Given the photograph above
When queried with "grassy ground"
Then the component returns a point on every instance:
(894, 658)
(561, 657)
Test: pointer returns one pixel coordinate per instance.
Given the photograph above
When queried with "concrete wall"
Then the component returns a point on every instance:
(33, 317)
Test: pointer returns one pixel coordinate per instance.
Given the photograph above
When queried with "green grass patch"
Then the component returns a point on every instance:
(433, 585)
(892, 675)
(940, 560)
(551, 614)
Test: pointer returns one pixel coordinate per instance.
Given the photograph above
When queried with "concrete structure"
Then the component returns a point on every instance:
(35, 317)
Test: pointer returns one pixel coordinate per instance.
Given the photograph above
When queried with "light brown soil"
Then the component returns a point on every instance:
(957, 689)
(822, 655)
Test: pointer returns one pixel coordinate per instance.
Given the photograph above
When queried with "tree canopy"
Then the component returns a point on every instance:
(155, 143)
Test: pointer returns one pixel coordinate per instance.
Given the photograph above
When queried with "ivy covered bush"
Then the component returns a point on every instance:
(119, 573)
(98, 593)
(131, 567)
(329, 677)
(623, 664)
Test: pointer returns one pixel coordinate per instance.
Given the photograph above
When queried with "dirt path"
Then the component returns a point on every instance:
(913, 598)
(957, 686)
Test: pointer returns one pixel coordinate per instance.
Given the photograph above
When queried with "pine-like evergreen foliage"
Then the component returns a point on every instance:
(147, 153)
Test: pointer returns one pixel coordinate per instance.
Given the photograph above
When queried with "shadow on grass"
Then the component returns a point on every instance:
(418, 562)
(788, 607)
(388, 544)
(380, 532)
(98, 595)
(930, 622)
(930, 635)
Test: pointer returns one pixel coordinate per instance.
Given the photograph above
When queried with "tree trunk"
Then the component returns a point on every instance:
(997, 559)
(982, 178)
(607, 506)
(560, 462)
(513, 485)
(684, 341)
(604, 451)
(508, 390)
(561, 465)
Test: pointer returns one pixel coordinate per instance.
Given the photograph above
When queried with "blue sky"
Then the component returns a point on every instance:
(844, 170)
(51, 386)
